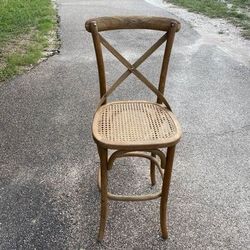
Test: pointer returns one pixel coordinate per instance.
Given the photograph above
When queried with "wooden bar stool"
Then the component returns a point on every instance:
(134, 128)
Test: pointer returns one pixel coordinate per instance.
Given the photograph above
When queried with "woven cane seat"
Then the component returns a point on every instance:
(135, 123)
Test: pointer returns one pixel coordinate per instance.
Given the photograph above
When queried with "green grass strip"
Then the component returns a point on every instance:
(236, 11)
(24, 25)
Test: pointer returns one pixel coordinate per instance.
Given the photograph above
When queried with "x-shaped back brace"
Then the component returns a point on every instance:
(132, 69)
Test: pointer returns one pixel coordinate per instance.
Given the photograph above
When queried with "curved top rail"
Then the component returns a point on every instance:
(132, 22)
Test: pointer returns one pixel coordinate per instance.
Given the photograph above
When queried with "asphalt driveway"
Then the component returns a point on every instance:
(48, 193)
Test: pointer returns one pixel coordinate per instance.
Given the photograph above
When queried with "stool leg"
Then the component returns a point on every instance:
(165, 191)
(152, 171)
(104, 183)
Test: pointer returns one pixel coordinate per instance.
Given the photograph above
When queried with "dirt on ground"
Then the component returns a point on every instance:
(213, 31)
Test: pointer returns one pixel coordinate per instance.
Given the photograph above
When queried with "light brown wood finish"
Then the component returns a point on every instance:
(99, 58)
(165, 191)
(132, 22)
(152, 170)
(134, 128)
(164, 68)
(104, 190)
(130, 67)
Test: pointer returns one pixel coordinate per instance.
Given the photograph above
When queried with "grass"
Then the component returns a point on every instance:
(236, 11)
(24, 29)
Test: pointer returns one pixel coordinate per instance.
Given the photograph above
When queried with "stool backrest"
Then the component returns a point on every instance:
(97, 25)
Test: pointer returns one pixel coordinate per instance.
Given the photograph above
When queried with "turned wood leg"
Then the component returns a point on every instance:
(165, 191)
(104, 183)
(152, 171)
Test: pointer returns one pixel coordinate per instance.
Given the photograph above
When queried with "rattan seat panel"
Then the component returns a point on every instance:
(135, 123)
